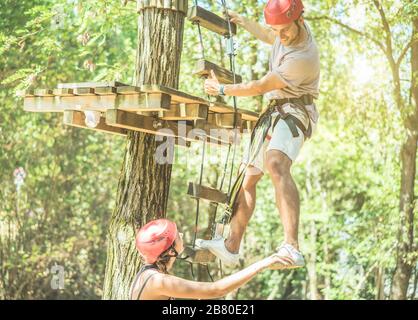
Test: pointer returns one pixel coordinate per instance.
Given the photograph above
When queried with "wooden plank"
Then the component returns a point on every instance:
(224, 108)
(128, 90)
(137, 122)
(247, 126)
(143, 102)
(182, 111)
(105, 91)
(90, 84)
(225, 120)
(199, 256)
(217, 133)
(43, 92)
(176, 95)
(77, 119)
(203, 68)
(89, 102)
(85, 91)
(206, 193)
(25, 93)
(63, 92)
(41, 104)
(210, 21)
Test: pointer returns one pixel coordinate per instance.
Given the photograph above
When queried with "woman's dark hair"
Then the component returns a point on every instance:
(165, 257)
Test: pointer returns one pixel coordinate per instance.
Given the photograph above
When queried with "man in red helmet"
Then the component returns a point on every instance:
(290, 87)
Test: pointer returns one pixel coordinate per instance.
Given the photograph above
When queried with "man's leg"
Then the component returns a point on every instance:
(245, 208)
(287, 195)
(227, 250)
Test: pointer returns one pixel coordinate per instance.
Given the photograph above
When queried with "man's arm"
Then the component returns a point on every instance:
(259, 87)
(257, 30)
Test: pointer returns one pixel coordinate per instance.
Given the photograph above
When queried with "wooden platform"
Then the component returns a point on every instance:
(148, 108)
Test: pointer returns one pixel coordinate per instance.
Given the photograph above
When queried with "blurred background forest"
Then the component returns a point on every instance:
(349, 174)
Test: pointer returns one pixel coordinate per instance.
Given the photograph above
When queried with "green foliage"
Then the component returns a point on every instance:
(348, 174)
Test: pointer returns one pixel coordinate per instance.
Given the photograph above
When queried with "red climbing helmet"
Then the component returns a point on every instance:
(282, 11)
(154, 238)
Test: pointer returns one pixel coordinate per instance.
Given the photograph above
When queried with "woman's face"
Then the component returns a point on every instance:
(179, 244)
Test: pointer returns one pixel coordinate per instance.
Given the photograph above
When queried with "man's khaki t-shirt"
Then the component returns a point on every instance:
(297, 66)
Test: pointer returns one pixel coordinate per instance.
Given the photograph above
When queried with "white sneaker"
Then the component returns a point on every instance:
(290, 253)
(217, 247)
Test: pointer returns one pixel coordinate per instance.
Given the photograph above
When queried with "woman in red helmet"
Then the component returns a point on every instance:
(159, 243)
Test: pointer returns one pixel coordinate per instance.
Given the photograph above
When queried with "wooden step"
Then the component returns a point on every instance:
(77, 119)
(199, 255)
(203, 68)
(210, 21)
(206, 193)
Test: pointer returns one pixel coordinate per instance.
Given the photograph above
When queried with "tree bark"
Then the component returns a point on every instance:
(406, 245)
(144, 184)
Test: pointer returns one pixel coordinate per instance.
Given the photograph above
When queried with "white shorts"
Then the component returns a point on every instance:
(281, 139)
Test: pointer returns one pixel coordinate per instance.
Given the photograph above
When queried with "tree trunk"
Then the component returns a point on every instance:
(380, 283)
(144, 184)
(406, 246)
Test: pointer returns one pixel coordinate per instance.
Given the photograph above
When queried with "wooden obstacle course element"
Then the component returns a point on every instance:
(183, 111)
(210, 21)
(143, 102)
(105, 91)
(137, 122)
(217, 133)
(43, 93)
(77, 119)
(203, 68)
(219, 107)
(175, 5)
(201, 256)
(225, 120)
(84, 91)
(41, 104)
(63, 92)
(74, 85)
(247, 126)
(176, 95)
(206, 193)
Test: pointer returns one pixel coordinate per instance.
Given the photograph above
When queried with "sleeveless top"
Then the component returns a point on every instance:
(143, 269)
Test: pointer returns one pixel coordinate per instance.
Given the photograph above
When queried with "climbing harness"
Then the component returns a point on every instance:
(259, 135)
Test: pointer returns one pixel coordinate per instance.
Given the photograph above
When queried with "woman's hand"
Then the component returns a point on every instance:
(276, 262)
(236, 18)
(212, 84)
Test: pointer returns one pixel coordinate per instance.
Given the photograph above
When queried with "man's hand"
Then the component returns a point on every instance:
(212, 84)
(236, 18)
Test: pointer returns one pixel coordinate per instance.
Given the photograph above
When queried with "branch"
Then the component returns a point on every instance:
(386, 27)
(405, 50)
(351, 29)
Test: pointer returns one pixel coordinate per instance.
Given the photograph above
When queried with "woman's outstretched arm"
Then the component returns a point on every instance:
(171, 286)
